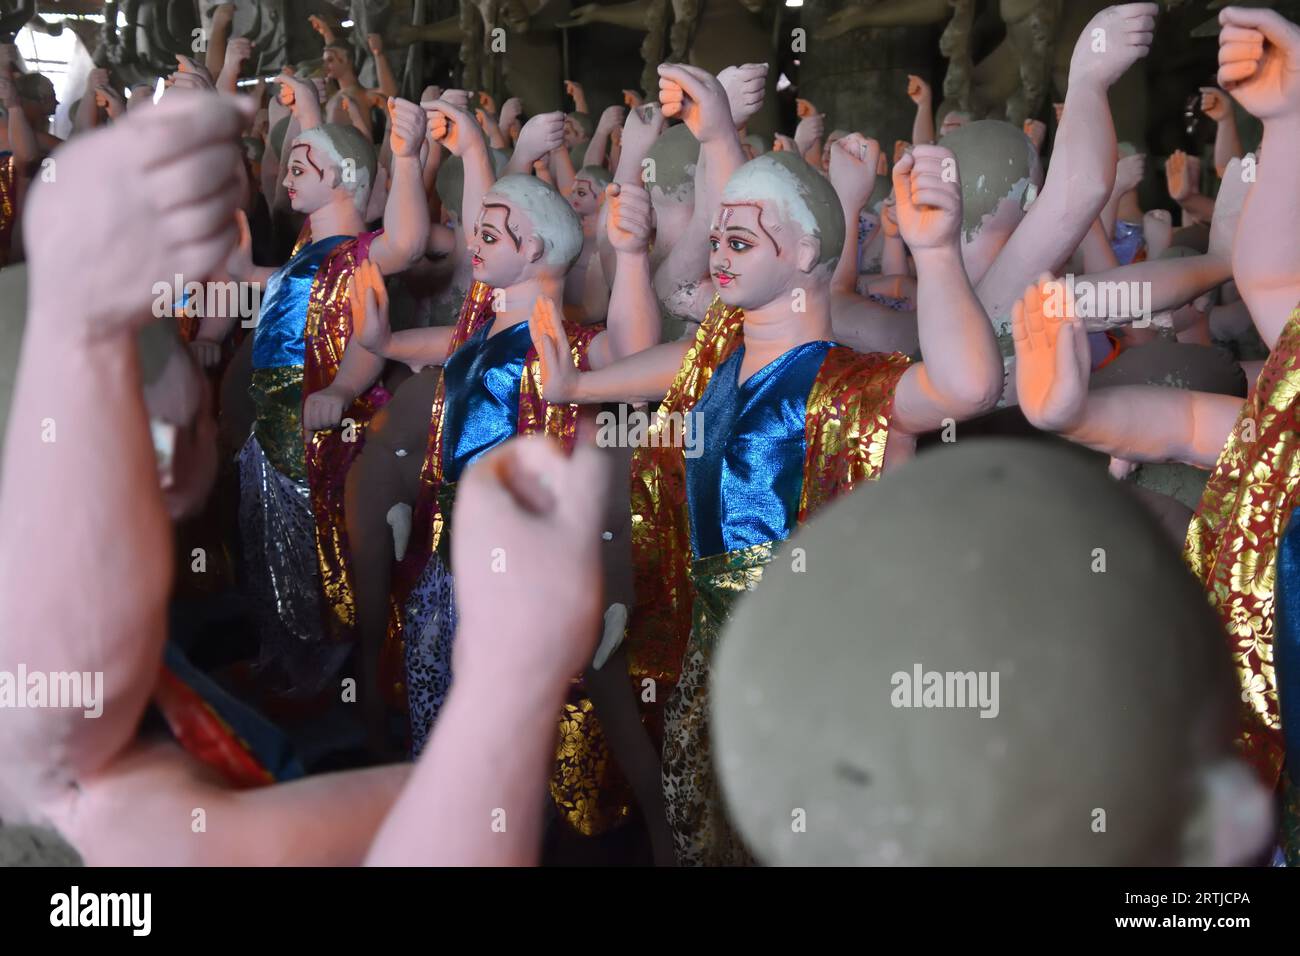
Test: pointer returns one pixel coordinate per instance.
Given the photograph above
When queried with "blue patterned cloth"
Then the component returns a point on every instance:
(282, 320)
(481, 409)
(744, 488)
(1286, 638)
(1127, 241)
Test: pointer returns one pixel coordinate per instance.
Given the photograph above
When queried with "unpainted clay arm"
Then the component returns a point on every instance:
(1169, 283)
(1267, 272)
(1082, 172)
(54, 533)
(644, 376)
(960, 375)
(1151, 423)
(406, 213)
(139, 811)
(1097, 252)
(1078, 184)
(562, 169)
(477, 796)
(1135, 422)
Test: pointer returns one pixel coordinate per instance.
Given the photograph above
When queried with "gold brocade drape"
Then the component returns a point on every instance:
(1233, 539)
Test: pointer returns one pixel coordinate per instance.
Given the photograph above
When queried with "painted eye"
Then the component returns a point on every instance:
(713, 244)
(489, 238)
(737, 245)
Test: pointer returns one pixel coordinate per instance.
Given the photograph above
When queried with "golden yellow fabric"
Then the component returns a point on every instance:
(277, 399)
(1232, 540)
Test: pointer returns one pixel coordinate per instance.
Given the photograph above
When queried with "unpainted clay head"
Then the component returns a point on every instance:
(753, 146)
(578, 129)
(670, 172)
(1028, 675)
(325, 160)
(588, 188)
(337, 62)
(524, 229)
(450, 182)
(38, 99)
(779, 226)
(1001, 175)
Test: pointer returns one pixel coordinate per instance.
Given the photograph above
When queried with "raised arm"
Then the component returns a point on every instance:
(1082, 171)
(539, 136)
(1183, 175)
(562, 170)
(455, 129)
(918, 91)
(858, 321)
(371, 330)
(633, 323)
(579, 95)
(610, 120)
(238, 52)
(644, 376)
(383, 68)
(223, 15)
(704, 105)
(1147, 423)
(853, 174)
(124, 200)
(476, 796)
(1129, 171)
(1259, 65)
(960, 375)
(1227, 142)
(87, 109)
(406, 214)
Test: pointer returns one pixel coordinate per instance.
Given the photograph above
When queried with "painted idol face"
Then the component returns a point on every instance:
(335, 63)
(310, 179)
(500, 245)
(584, 198)
(753, 255)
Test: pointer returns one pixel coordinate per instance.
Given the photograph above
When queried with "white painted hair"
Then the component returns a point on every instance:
(799, 191)
(553, 218)
(335, 142)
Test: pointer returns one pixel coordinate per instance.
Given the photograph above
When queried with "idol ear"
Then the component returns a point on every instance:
(807, 252)
(534, 248)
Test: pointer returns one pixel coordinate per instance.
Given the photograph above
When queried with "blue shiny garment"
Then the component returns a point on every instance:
(1286, 640)
(282, 321)
(744, 488)
(481, 409)
(1127, 241)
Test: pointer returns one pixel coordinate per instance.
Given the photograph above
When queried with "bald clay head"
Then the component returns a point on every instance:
(1001, 175)
(339, 157)
(524, 228)
(670, 178)
(779, 226)
(990, 656)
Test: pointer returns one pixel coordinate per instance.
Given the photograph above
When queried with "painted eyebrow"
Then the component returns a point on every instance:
(320, 173)
(759, 212)
(509, 232)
